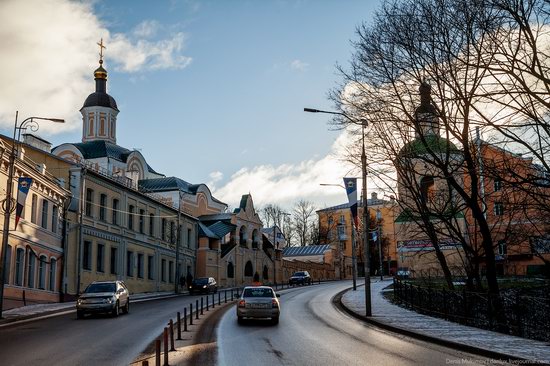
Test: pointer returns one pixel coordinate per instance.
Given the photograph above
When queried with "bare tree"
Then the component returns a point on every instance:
(303, 216)
(272, 214)
(455, 46)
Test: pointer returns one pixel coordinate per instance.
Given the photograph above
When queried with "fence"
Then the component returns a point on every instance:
(525, 312)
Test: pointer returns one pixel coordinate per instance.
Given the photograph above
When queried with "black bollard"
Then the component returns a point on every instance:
(185, 319)
(179, 326)
(202, 304)
(197, 312)
(172, 347)
(165, 340)
(191, 314)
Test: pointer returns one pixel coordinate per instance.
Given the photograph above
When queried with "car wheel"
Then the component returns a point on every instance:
(240, 319)
(275, 320)
(79, 314)
(126, 308)
(116, 310)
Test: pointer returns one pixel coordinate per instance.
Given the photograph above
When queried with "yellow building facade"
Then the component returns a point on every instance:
(336, 228)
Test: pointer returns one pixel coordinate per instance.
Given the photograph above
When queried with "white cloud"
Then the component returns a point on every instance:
(146, 29)
(49, 54)
(287, 183)
(214, 178)
(299, 65)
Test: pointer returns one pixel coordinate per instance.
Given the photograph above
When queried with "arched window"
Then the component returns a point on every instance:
(255, 240)
(427, 188)
(102, 124)
(230, 270)
(265, 274)
(31, 267)
(19, 265)
(42, 272)
(91, 124)
(53, 271)
(242, 236)
(248, 269)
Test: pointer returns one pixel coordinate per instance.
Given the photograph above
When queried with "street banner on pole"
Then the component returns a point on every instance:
(23, 186)
(351, 190)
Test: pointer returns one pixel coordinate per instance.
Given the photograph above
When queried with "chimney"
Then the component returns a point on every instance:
(37, 142)
(374, 196)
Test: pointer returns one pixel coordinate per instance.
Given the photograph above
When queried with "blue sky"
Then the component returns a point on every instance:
(209, 91)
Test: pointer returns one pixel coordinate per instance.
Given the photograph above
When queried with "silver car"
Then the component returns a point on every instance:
(259, 302)
(104, 297)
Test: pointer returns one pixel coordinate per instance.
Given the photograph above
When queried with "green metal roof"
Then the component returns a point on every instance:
(431, 143)
(206, 232)
(222, 228)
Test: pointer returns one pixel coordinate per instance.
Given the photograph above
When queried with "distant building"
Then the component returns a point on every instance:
(318, 260)
(335, 228)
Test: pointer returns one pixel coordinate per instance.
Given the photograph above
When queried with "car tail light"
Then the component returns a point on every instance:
(242, 303)
(274, 303)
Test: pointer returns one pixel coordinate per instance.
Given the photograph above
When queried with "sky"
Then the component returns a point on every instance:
(209, 91)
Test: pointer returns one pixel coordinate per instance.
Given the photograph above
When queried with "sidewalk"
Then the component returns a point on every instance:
(38, 310)
(451, 334)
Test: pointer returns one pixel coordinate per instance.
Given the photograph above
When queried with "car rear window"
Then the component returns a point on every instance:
(258, 292)
(100, 287)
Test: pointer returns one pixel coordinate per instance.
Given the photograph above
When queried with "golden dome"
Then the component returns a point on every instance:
(100, 72)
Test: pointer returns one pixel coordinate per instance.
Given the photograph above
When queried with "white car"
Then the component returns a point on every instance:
(103, 297)
(259, 302)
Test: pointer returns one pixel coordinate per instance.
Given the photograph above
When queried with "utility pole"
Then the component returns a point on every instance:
(80, 228)
(368, 305)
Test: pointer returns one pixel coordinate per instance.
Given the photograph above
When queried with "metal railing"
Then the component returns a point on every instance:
(523, 312)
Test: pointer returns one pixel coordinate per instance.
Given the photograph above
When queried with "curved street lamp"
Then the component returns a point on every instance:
(364, 123)
(28, 123)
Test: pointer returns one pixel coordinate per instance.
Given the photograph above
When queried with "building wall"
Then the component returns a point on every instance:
(330, 219)
(145, 259)
(35, 252)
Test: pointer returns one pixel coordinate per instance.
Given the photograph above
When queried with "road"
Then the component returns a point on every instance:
(313, 332)
(97, 340)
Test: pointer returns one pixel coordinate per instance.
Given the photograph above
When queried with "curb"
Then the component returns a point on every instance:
(337, 301)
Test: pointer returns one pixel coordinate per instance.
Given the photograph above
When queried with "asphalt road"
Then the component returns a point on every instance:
(313, 332)
(97, 340)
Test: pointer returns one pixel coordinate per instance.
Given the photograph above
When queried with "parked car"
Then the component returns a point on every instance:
(300, 278)
(203, 285)
(403, 273)
(103, 297)
(259, 302)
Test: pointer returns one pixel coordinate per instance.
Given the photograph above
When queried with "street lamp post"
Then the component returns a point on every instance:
(33, 125)
(363, 123)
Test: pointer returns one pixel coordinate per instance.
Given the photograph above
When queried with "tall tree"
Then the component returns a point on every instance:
(303, 216)
(470, 52)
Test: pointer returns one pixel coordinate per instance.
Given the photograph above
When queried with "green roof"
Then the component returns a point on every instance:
(431, 143)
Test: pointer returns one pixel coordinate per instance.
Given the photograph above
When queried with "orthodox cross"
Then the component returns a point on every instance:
(101, 47)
